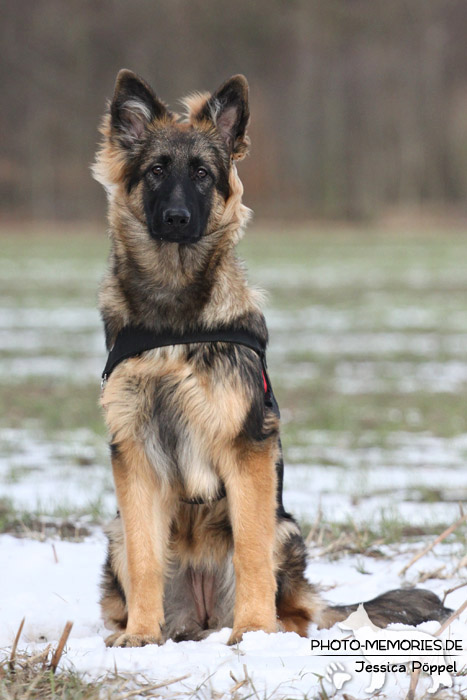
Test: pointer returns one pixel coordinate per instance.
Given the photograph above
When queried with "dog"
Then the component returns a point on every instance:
(202, 540)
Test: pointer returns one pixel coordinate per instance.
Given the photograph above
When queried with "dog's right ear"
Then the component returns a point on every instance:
(134, 106)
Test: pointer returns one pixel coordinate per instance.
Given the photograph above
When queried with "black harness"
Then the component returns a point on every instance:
(131, 341)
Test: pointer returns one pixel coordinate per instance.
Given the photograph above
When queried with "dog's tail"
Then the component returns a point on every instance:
(410, 606)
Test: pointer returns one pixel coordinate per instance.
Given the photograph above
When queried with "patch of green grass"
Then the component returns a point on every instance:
(78, 243)
(93, 510)
(15, 474)
(51, 404)
(65, 522)
(317, 407)
(360, 567)
(336, 539)
(363, 247)
(429, 495)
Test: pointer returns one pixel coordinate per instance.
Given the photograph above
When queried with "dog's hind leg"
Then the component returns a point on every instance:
(298, 603)
(146, 516)
(113, 601)
(251, 491)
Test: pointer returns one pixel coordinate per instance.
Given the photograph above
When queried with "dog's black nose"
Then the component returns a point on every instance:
(178, 218)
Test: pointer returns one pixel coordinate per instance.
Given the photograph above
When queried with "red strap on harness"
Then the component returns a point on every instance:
(265, 384)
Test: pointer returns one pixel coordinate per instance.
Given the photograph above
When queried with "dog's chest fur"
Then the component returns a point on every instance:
(188, 406)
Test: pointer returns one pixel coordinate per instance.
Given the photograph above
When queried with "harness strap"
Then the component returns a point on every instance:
(133, 340)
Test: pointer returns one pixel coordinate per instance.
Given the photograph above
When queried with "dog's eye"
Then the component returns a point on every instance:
(201, 173)
(158, 170)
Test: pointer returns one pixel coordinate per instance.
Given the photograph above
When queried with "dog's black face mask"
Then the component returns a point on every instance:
(179, 186)
(179, 171)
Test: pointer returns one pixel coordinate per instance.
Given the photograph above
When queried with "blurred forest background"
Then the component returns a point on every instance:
(358, 106)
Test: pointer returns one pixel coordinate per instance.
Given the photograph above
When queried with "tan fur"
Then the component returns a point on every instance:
(114, 614)
(216, 410)
(145, 514)
(194, 103)
(110, 165)
(294, 613)
(251, 494)
(329, 617)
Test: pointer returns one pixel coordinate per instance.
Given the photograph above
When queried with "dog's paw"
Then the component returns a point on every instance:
(131, 640)
(112, 638)
(238, 632)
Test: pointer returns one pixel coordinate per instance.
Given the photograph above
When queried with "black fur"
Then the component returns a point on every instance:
(178, 182)
(114, 450)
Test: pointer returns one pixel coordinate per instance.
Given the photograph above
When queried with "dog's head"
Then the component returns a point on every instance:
(175, 175)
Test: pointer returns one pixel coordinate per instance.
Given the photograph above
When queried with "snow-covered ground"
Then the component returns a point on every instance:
(50, 588)
(50, 585)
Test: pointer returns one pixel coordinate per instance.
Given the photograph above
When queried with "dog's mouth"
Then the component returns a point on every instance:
(183, 235)
(173, 238)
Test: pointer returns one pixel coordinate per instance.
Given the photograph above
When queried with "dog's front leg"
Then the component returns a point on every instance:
(251, 494)
(146, 516)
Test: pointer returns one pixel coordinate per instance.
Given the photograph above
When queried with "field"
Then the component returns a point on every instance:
(368, 338)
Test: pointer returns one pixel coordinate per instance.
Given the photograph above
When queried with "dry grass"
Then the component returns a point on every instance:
(30, 680)
(34, 677)
(24, 676)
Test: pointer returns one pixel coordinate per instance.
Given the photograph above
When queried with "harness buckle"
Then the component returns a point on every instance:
(103, 382)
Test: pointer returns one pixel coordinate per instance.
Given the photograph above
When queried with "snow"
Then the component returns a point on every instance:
(49, 590)
(360, 483)
(66, 472)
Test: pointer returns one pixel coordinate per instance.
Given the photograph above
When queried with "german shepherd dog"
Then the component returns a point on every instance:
(202, 540)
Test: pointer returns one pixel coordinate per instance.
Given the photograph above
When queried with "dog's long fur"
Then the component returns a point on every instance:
(185, 420)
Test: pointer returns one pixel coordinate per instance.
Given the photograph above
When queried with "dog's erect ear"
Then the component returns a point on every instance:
(228, 109)
(134, 106)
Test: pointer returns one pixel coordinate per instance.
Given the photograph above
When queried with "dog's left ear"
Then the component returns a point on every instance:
(228, 109)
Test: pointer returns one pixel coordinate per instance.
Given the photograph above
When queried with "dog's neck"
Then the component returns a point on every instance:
(165, 285)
